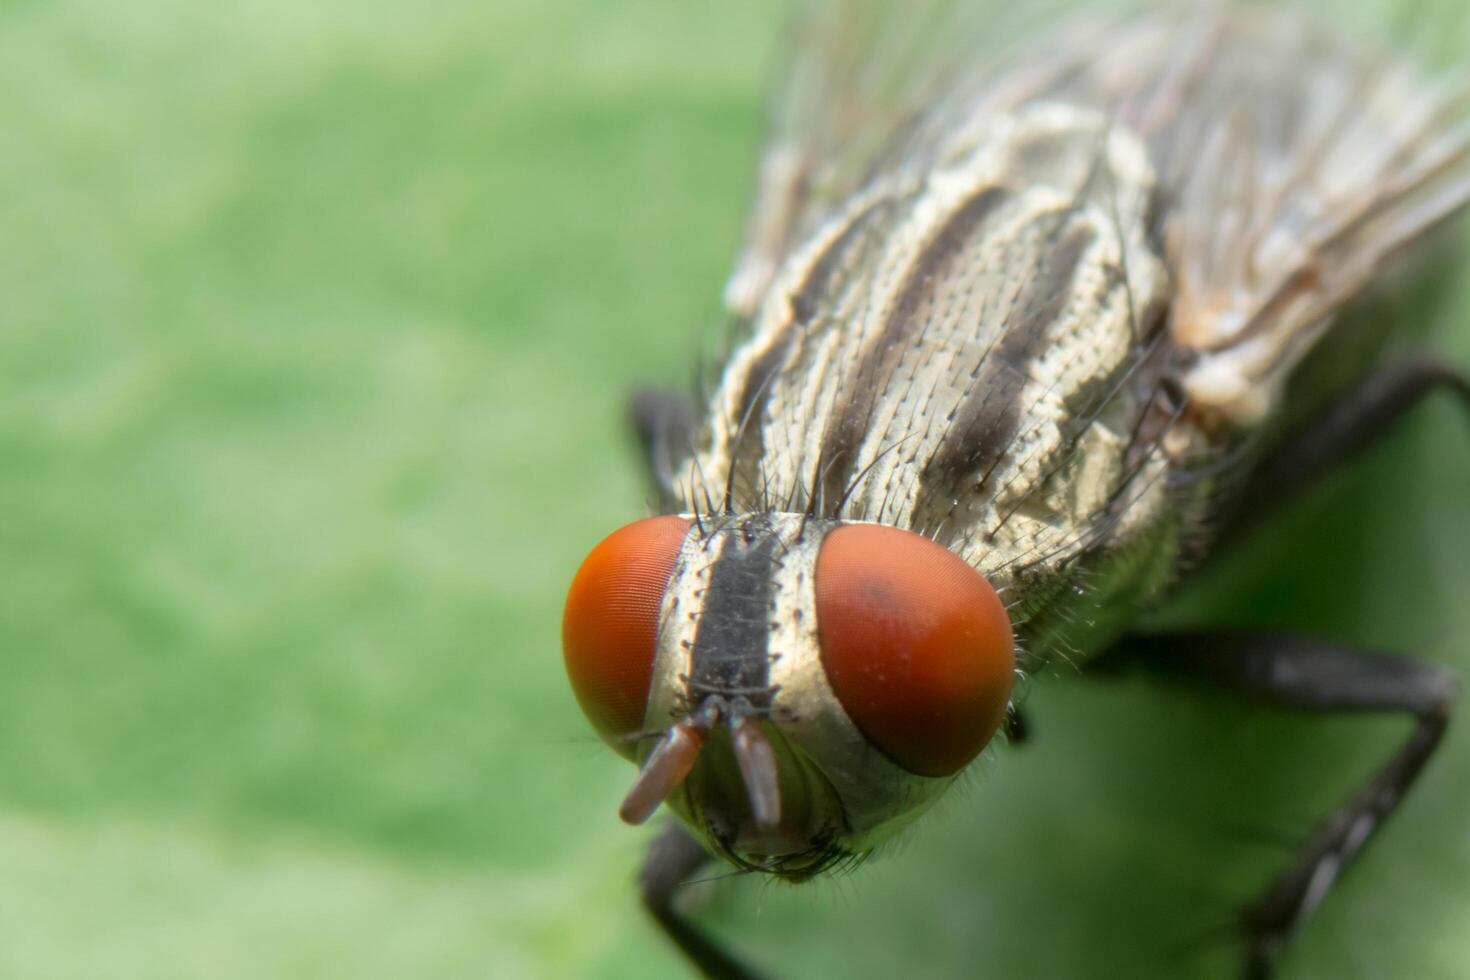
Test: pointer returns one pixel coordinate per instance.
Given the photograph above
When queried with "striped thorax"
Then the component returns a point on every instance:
(961, 353)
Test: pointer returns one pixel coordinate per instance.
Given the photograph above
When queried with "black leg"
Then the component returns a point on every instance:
(664, 422)
(1314, 676)
(672, 860)
(1016, 727)
(1354, 422)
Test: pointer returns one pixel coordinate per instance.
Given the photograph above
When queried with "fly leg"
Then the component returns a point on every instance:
(672, 858)
(1016, 726)
(1314, 676)
(1354, 422)
(664, 422)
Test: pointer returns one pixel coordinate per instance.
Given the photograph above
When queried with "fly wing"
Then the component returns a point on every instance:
(1292, 164)
(1295, 166)
(857, 81)
(870, 87)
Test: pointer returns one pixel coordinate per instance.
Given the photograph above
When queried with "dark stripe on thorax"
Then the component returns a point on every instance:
(824, 277)
(850, 417)
(730, 655)
(985, 423)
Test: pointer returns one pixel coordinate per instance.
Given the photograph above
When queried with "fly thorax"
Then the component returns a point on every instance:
(969, 353)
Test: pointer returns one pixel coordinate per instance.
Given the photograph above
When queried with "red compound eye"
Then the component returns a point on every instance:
(610, 624)
(915, 643)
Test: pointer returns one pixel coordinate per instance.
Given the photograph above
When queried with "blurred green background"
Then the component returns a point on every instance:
(316, 322)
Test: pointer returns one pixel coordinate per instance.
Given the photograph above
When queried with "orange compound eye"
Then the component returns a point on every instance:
(610, 624)
(916, 645)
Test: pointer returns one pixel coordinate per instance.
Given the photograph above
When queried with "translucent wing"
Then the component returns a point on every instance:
(854, 76)
(1295, 165)
(1292, 164)
(867, 86)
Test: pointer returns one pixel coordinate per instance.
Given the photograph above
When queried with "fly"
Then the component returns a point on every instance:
(1024, 339)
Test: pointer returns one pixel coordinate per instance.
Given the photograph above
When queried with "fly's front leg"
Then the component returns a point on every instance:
(1354, 422)
(673, 858)
(1016, 726)
(1314, 676)
(664, 422)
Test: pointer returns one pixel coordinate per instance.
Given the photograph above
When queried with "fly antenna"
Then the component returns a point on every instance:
(667, 766)
(757, 763)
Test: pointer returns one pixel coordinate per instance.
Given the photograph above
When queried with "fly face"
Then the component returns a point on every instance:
(797, 689)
